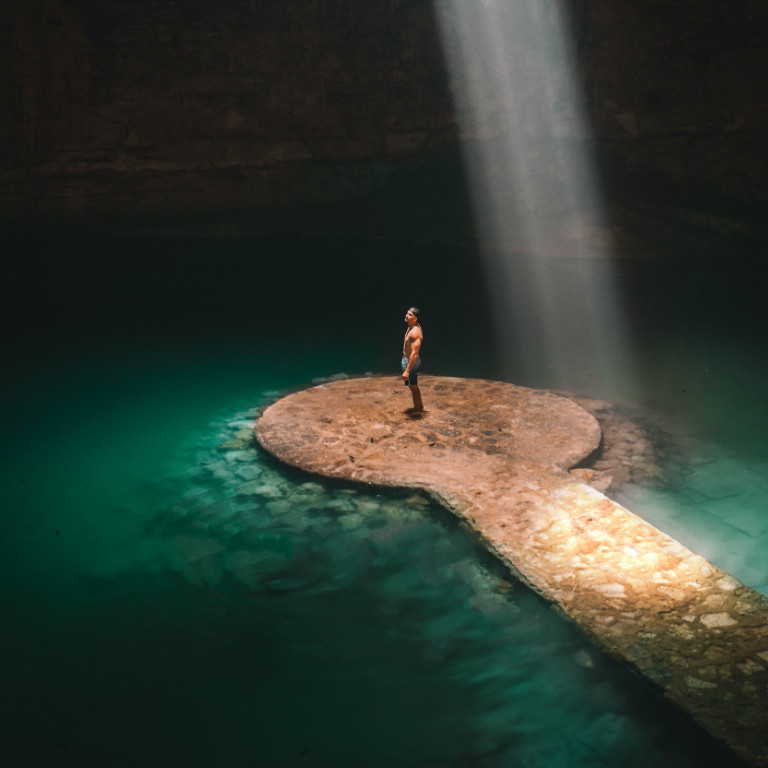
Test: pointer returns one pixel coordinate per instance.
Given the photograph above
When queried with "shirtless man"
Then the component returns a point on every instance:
(411, 361)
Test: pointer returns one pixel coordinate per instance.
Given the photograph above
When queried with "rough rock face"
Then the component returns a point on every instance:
(177, 107)
(156, 107)
(679, 109)
(673, 92)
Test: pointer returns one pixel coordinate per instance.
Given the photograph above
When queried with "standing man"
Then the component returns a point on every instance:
(411, 361)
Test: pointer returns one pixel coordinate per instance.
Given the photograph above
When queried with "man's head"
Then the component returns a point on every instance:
(412, 315)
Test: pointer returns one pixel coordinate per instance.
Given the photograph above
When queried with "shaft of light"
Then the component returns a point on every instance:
(538, 211)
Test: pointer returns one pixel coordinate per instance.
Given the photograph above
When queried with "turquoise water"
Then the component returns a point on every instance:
(712, 394)
(172, 596)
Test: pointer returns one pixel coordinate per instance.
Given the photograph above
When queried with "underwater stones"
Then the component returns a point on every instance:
(351, 522)
(236, 444)
(315, 488)
(584, 659)
(248, 471)
(259, 488)
(278, 507)
(220, 470)
(340, 505)
(242, 429)
(367, 507)
(243, 454)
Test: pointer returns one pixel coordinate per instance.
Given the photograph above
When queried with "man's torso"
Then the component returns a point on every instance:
(410, 336)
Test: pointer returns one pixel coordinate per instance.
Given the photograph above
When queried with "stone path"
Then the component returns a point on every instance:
(499, 456)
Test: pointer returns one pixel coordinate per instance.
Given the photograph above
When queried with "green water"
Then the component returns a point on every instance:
(169, 602)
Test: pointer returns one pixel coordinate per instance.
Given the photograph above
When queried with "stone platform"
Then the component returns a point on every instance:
(498, 456)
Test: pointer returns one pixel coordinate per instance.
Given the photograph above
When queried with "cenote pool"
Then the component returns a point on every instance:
(174, 597)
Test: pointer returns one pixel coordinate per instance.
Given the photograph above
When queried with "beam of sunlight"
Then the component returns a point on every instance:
(538, 212)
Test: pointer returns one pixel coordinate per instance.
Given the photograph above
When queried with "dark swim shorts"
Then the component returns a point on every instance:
(413, 376)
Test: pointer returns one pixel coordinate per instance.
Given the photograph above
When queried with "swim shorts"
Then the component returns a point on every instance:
(413, 376)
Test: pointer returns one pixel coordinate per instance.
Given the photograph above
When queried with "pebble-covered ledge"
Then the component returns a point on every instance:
(499, 456)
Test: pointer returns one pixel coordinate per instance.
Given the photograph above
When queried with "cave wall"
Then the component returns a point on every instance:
(196, 107)
(677, 98)
(118, 108)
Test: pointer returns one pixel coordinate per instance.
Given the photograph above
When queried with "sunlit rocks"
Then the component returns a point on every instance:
(502, 466)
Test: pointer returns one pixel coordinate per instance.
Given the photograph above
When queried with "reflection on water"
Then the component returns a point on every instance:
(172, 596)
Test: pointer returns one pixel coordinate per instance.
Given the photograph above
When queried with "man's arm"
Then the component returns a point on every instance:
(415, 347)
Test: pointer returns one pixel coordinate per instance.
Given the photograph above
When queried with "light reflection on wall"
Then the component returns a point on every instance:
(540, 220)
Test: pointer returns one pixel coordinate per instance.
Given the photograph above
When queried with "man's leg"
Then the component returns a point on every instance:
(418, 405)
